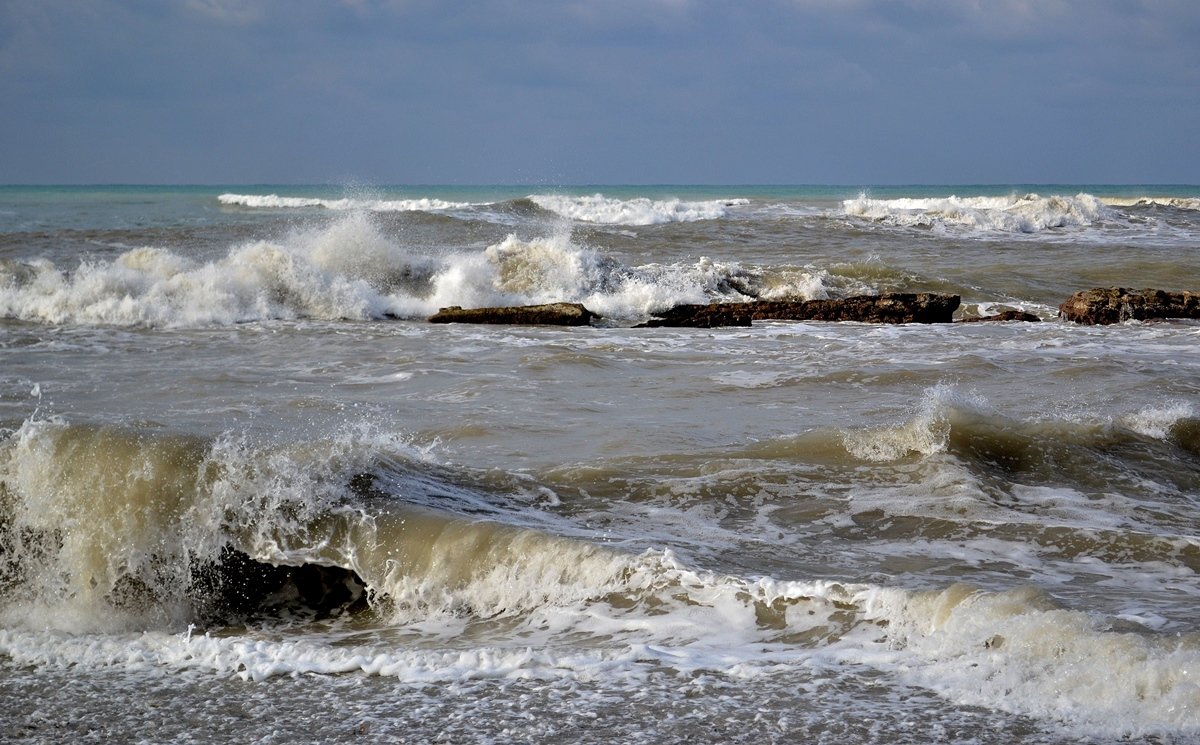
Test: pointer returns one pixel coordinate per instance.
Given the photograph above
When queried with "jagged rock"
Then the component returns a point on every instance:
(1007, 315)
(1105, 305)
(894, 307)
(552, 314)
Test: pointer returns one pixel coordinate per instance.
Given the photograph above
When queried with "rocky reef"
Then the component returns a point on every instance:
(891, 307)
(551, 314)
(1108, 305)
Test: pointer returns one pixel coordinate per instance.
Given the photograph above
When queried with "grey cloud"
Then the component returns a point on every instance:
(624, 90)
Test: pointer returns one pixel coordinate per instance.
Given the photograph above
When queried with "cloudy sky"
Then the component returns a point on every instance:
(600, 91)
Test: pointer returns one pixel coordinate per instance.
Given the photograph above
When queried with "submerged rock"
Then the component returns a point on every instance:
(893, 307)
(1106, 305)
(552, 314)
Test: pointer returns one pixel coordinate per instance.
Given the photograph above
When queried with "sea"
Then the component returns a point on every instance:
(249, 494)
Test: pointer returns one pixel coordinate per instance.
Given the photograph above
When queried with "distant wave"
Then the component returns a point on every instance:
(274, 201)
(1182, 203)
(1029, 213)
(596, 209)
(603, 210)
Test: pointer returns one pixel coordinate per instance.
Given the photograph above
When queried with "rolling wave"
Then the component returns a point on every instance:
(1113, 488)
(274, 201)
(184, 531)
(949, 420)
(596, 209)
(1180, 203)
(603, 210)
(1028, 213)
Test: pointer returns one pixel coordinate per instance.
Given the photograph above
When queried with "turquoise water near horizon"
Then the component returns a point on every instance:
(115, 206)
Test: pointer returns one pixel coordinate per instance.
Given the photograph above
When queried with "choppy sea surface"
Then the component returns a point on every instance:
(248, 494)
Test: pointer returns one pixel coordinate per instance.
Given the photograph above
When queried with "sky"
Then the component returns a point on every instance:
(600, 91)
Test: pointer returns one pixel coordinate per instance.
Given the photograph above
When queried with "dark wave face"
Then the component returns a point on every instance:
(246, 487)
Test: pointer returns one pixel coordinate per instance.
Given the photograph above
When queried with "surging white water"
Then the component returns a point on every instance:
(350, 269)
(603, 210)
(1014, 214)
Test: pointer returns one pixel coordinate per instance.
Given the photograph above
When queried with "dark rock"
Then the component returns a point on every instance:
(1105, 305)
(1008, 315)
(703, 316)
(552, 314)
(892, 307)
(895, 307)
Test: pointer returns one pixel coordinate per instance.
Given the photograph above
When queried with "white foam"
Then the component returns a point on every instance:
(926, 433)
(1019, 652)
(343, 271)
(349, 270)
(1029, 213)
(603, 210)
(274, 201)
(458, 598)
(553, 268)
(1157, 421)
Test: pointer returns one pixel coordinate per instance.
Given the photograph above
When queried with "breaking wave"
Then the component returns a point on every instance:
(604, 210)
(107, 528)
(274, 201)
(1181, 203)
(1119, 486)
(349, 269)
(1029, 213)
(596, 209)
(948, 419)
(110, 530)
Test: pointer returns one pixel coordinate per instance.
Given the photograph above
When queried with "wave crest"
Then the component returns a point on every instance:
(1029, 213)
(349, 269)
(1180, 203)
(603, 210)
(274, 201)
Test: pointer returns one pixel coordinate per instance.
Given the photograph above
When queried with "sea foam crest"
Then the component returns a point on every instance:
(603, 210)
(1016, 650)
(437, 574)
(926, 433)
(103, 527)
(554, 268)
(349, 269)
(274, 201)
(1029, 213)
(1020, 652)
(1159, 421)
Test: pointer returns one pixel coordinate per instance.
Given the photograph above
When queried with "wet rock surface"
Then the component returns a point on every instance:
(1108, 305)
(895, 307)
(551, 314)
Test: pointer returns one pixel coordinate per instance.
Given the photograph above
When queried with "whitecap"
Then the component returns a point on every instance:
(603, 210)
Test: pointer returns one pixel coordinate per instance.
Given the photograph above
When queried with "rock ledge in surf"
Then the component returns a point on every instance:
(892, 307)
(551, 314)
(1006, 315)
(1108, 305)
